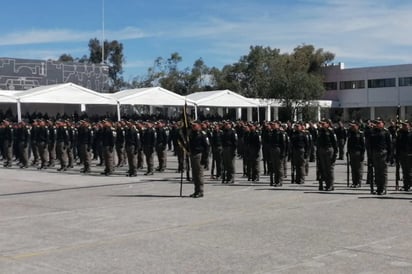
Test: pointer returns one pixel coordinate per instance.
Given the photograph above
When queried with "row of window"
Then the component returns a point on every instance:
(373, 83)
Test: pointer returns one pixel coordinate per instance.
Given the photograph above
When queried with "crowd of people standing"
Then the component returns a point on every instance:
(215, 146)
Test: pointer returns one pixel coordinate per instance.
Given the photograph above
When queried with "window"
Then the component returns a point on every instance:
(382, 83)
(405, 81)
(331, 85)
(357, 84)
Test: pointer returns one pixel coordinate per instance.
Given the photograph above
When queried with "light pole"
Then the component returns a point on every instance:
(102, 32)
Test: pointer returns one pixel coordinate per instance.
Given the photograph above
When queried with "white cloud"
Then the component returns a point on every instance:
(45, 36)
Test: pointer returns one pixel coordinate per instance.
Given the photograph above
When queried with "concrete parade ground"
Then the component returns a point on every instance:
(53, 222)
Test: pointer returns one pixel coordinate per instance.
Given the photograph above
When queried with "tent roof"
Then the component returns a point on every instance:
(221, 98)
(154, 96)
(67, 93)
(7, 97)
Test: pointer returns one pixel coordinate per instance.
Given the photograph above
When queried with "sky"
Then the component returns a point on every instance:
(360, 33)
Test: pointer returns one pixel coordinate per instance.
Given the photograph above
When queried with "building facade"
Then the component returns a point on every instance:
(22, 74)
(369, 92)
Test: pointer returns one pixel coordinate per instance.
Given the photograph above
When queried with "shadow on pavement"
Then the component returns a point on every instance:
(148, 196)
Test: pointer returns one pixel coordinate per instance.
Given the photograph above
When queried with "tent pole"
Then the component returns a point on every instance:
(258, 114)
(18, 111)
(195, 112)
(118, 112)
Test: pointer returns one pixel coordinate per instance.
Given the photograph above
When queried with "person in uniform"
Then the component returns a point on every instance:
(51, 146)
(132, 142)
(161, 145)
(327, 152)
(370, 174)
(120, 143)
(393, 130)
(140, 154)
(198, 144)
(404, 153)
(299, 150)
(62, 143)
(380, 142)
(148, 144)
(72, 151)
(341, 136)
(23, 141)
(217, 149)
(98, 143)
(277, 146)
(108, 142)
(266, 129)
(229, 144)
(33, 143)
(206, 129)
(42, 141)
(356, 153)
(313, 130)
(7, 144)
(253, 145)
(85, 140)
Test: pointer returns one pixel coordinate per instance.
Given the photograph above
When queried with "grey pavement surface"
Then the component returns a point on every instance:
(73, 223)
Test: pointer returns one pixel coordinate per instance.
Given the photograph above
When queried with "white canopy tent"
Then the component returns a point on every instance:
(152, 96)
(222, 99)
(7, 97)
(8, 100)
(62, 94)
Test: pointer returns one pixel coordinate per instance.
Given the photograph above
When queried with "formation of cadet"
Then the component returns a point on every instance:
(63, 142)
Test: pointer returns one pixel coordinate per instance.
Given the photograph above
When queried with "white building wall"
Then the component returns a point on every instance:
(369, 97)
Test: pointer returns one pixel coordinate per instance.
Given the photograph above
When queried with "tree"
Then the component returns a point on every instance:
(65, 58)
(166, 73)
(302, 79)
(294, 78)
(113, 57)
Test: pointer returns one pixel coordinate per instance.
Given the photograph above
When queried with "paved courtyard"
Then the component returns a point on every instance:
(73, 223)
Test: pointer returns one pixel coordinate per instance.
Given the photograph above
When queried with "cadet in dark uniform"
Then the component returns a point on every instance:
(198, 144)
(85, 140)
(148, 144)
(132, 141)
(217, 149)
(42, 140)
(299, 150)
(266, 148)
(108, 142)
(206, 129)
(62, 143)
(161, 145)
(380, 142)
(277, 146)
(229, 144)
(356, 151)
(178, 146)
(33, 143)
(51, 146)
(253, 145)
(314, 133)
(98, 143)
(393, 130)
(327, 152)
(120, 150)
(23, 140)
(341, 136)
(140, 154)
(72, 146)
(404, 153)
(8, 139)
(368, 132)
